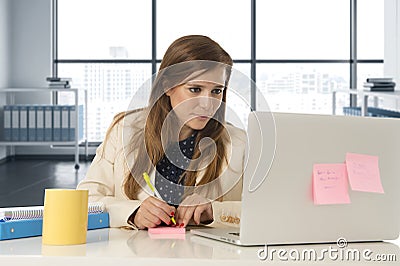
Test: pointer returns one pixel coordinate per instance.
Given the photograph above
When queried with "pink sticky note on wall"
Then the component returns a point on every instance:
(363, 171)
(330, 184)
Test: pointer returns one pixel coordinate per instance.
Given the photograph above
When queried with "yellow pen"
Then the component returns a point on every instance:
(153, 188)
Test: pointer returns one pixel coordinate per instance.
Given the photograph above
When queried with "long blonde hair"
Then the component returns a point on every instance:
(147, 141)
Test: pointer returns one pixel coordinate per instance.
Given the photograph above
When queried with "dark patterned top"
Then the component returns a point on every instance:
(169, 170)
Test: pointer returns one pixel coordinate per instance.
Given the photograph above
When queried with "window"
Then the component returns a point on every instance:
(301, 87)
(370, 29)
(305, 29)
(301, 48)
(370, 35)
(108, 95)
(217, 19)
(104, 29)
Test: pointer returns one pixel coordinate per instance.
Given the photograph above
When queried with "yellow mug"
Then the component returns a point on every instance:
(65, 217)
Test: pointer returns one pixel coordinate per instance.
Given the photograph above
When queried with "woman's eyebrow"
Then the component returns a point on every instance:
(202, 86)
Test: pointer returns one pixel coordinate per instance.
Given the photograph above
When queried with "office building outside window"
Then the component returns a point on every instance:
(297, 51)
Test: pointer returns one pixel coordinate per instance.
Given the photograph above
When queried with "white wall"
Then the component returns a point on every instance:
(392, 40)
(30, 48)
(30, 37)
(4, 62)
(4, 25)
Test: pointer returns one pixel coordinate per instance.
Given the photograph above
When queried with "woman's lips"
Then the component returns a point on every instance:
(201, 116)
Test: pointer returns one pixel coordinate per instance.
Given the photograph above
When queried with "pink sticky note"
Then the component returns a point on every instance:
(330, 184)
(167, 230)
(363, 171)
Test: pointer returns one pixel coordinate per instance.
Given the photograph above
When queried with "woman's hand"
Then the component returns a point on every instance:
(152, 212)
(194, 207)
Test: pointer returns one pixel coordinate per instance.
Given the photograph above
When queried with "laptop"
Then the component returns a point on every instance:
(277, 197)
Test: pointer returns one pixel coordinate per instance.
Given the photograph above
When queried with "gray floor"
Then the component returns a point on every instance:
(22, 182)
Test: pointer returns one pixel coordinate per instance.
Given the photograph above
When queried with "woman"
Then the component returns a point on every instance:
(194, 159)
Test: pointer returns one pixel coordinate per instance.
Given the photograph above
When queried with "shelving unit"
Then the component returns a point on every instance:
(10, 94)
(364, 95)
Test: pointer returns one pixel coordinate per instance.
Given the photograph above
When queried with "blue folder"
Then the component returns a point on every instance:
(33, 227)
(56, 122)
(7, 123)
(40, 123)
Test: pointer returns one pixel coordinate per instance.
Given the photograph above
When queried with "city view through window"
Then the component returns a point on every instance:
(111, 31)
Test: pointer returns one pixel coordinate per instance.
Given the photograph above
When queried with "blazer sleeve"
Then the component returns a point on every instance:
(105, 182)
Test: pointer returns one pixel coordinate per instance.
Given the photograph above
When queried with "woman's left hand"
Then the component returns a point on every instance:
(194, 207)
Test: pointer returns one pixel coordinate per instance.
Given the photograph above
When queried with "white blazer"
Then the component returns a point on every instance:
(106, 175)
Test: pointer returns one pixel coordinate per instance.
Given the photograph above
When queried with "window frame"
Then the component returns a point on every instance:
(352, 61)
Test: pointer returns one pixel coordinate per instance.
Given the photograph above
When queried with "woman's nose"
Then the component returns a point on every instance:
(205, 102)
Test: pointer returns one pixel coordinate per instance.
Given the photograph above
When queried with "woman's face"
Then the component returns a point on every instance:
(195, 103)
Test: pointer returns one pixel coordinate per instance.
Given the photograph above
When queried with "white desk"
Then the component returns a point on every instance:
(121, 247)
(364, 95)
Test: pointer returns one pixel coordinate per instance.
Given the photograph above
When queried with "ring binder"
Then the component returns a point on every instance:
(33, 227)
(36, 212)
(21, 222)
